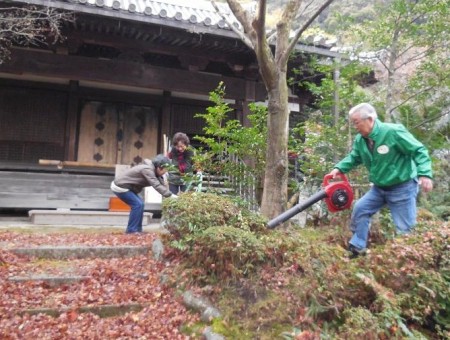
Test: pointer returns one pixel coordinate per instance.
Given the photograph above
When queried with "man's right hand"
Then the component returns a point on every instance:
(333, 173)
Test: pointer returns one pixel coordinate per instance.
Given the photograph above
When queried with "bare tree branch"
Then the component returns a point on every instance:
(259, 24)
(244, 18)
(29, 25)
(300, 31)
(304, 9)
(380, 59)
(283, 31)
(412, 96)
(241, 34)
(431, 119)
(416, 57)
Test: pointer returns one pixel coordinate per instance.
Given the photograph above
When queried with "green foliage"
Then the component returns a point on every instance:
(277, 281)
(359, 323)
(232, 150)
(227, 252)
(223, 239)
(438, 201)
(226, 140)
(410, 38)
(319, 141)
(200, 211)
(350, 92)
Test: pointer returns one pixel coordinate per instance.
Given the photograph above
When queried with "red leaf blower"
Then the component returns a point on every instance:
(338, 196)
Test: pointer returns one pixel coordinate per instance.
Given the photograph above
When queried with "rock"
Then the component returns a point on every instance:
(210, 313)
(157, 249)
(210, 335)
(194, 302)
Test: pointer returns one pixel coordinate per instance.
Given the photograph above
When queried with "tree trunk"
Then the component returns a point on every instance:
(274, 198)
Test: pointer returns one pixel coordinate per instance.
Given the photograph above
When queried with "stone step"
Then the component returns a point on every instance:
(80, 252)
(51, 281)
(75, 217)
(104, 311)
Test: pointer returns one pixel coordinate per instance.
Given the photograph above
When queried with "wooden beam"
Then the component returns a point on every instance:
(27, 62)
(150, 46)
(61, 164)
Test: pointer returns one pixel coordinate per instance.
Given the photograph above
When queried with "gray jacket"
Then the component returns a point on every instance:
(140, 176)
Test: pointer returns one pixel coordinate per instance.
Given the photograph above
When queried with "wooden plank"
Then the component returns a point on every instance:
(34, 190)
(36, 201)
(44, 179)
(62, 164)
(35, 167)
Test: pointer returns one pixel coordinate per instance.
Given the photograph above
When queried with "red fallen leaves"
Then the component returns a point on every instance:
(109, 282)
(12, 239)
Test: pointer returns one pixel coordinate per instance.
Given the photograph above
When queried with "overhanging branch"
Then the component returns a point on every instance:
(300, 31)
(241, 34)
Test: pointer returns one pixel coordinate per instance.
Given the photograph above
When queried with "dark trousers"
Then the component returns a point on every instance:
(176, 189)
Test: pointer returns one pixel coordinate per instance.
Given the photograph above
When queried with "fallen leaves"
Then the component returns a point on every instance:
(118, 281)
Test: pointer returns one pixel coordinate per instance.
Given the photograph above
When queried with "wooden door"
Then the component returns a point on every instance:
(97, 141)
(117, 134)
(140, 134)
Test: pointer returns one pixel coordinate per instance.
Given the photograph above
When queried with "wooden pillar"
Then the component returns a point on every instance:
(166, 120)
(71, 122)
(250, 95)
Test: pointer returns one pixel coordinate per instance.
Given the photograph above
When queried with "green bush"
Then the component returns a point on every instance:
(200, 211)
(221, 238)
(272, 277)
(227, 252)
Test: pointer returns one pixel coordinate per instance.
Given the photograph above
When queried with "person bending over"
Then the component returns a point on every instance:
(128, 185)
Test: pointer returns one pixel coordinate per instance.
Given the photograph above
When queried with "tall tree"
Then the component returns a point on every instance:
(406, 38)
(273, 70)
(29, 26)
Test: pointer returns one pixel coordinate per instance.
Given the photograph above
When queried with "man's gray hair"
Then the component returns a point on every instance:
(365, 111)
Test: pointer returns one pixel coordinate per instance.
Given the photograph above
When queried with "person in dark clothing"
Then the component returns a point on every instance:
(181, 155)
(128, 186)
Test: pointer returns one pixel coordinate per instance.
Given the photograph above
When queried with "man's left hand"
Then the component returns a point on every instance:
(426, 183)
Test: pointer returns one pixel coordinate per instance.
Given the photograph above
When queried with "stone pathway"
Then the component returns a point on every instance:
(85, 270)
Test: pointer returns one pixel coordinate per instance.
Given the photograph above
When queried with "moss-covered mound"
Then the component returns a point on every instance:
(300, 283)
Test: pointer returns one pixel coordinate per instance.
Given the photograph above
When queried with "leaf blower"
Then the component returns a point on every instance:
(338, 196)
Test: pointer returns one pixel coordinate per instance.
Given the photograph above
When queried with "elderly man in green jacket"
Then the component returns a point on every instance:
(397, 163)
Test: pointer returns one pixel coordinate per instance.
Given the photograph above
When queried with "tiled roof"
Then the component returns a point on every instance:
(197, 12)
(194, 11)
(197, 16)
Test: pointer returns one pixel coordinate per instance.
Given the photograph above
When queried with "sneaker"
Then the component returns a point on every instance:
(355, 252)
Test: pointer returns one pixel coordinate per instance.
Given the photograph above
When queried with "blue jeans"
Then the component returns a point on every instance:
(137, 210)
(401, 200)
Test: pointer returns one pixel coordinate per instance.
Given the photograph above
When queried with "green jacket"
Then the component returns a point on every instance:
(396, 158)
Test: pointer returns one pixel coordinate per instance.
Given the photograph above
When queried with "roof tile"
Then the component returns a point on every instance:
(197, 12)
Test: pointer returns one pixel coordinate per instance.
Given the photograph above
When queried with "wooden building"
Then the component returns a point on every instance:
(128, 73)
